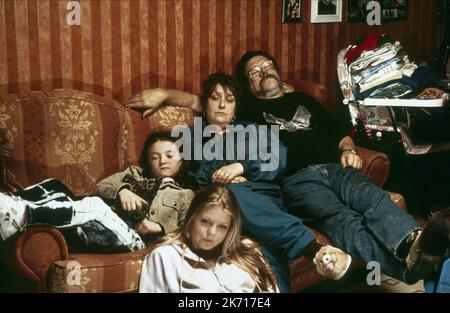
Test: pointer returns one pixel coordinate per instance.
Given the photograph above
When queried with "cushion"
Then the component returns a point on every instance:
(97, 273)
(169, 116)
(70, 135)
(137, 129)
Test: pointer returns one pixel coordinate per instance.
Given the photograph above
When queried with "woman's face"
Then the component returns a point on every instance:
(164, 158)
(220, 107)
(210, 227)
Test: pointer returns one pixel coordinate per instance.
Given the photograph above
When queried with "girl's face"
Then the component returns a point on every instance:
(210, 227)
(220, 107)
(165, 160)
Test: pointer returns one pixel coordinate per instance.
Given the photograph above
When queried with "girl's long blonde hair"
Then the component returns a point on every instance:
(241, 251)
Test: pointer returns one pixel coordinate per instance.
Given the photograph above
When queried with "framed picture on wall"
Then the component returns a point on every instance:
(390, 10)
(394, 9)
(356, 10)
(326, 11)
(292, 11)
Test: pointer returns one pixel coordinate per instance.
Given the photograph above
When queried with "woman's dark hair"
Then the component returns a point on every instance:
(226, 81)
(241, 73)
(144, 162)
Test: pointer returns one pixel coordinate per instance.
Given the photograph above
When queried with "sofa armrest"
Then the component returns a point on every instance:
(3, 187)
(31, 253)
(376, 165)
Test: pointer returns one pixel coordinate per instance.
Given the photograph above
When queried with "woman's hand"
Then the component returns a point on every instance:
(130, 201)
(148, 100)
(227, 173)
(238, 179)
(350, 159)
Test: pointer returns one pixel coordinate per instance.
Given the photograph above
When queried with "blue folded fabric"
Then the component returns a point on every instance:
(420, 77)
(362, 95)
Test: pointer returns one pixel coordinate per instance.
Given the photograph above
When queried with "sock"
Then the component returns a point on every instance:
(403, 249)
(429, 248)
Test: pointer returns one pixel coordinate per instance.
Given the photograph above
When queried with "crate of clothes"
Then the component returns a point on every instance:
(391, 99)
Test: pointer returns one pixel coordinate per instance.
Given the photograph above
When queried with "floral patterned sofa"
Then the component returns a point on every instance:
(80, 138)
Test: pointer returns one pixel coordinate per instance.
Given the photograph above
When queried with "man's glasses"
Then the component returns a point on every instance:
(267, 65)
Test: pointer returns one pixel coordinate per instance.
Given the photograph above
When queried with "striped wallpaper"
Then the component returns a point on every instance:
(124, 46)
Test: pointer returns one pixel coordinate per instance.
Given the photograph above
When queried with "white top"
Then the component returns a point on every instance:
(172, 268)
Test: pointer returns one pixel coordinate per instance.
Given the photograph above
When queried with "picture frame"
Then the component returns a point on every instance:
(292, 11)
(397, 9)
(326, 11)
(391, 10)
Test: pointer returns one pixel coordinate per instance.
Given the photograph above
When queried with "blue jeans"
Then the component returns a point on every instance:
(282, 236)
(355, 214)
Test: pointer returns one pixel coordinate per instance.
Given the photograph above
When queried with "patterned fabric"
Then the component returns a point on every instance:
(300, 120)
(146, 189)
(137, 129)
(73, 136)
(169, 116)
(97, 273)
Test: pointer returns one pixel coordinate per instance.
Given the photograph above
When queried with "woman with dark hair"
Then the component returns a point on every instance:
(251, 177)
(147, 200)
(208, 254)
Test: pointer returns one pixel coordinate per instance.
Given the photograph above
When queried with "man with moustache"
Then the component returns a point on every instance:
(324, 186)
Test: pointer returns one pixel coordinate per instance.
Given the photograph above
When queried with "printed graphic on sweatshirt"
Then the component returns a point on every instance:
(300, 121)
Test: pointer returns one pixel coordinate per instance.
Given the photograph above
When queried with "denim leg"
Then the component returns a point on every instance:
(310, 195)
(388, 223)
(264, 219)
(280, 268)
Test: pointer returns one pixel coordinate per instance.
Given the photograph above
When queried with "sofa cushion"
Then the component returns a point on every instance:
(74, 136)
(97, 273)
(163, 120)
(70, 135)
(169, 116)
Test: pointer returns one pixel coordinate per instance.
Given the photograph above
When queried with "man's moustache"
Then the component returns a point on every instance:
(262, 91)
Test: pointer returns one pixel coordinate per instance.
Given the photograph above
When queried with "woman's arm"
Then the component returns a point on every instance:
(264, 163)
(150, 100)
(270, 162)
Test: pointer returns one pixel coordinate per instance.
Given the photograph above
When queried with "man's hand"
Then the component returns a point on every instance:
(227, 173)
(350, 159)
(148, 101)
(130, 201)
